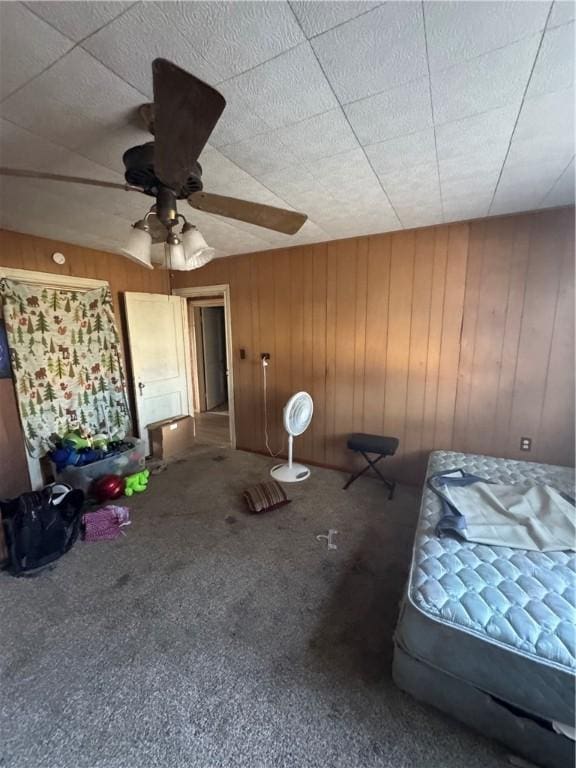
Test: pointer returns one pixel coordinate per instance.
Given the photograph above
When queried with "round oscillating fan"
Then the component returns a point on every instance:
(297, 416)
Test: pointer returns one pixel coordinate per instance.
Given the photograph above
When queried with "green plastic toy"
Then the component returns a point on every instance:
(136, 483)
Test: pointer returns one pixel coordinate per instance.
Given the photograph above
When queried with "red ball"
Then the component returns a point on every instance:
(108, 487)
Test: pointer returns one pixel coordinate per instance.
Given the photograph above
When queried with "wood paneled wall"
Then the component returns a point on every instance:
(27, 252)
(516, 376)
(458, 336)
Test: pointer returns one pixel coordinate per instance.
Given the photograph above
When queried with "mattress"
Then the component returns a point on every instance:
(501, 619)
(534, 740)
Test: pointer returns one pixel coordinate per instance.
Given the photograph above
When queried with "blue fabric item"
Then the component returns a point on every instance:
(451, 521)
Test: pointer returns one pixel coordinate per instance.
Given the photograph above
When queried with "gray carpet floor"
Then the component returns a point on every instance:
(208, 638)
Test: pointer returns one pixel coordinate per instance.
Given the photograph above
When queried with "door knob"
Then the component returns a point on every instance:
(141, 386)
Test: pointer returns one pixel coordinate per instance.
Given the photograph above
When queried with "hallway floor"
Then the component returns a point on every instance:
(212, 427)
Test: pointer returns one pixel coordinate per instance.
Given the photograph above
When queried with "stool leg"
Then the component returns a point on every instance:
(388, 483)
(355, 476)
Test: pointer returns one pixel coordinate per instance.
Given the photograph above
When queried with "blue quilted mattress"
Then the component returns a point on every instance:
(503, 619)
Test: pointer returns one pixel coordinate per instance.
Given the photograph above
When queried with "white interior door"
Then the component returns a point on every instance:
(214, 343)
(158, 336)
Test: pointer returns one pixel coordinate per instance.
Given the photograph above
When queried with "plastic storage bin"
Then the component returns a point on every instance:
(125, 463)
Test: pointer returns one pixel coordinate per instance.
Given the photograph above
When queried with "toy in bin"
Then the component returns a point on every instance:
(111, 487)
(137, 482)
(108, 487)
(78, 449)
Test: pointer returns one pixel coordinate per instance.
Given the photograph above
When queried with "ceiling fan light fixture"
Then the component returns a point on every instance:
(174, 250)
(196, 249)
(139, 245)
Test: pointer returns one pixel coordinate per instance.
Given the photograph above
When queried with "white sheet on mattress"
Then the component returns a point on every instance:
(534, 517)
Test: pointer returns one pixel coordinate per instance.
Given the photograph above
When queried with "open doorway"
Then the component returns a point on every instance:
(210, 353)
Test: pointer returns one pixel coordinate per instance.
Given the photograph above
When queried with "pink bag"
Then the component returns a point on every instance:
(106, 523)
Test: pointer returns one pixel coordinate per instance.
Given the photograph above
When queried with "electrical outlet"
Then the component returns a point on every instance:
(264, 355)
(525, 443)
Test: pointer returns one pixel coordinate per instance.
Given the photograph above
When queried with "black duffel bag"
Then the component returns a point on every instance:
(40, 526)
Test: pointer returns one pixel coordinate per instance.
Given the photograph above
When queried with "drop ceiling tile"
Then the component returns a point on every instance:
(388, 50)
(286, 89)
(49, 202)
(236, 36)
(340, 170)
(414, 186)
(487, 134)
(420, 216)
(223, 177)
(545, 129)
(460, 31)
(316, 204)
(515, 201)
(129, 44)
(523, 187)
(289, 182)
(354, 226)
(554, 70)
(487, 82)
(319, 136)
(562, 193)
(403, 152)
(539, 149)
(396, 112)
(535, 176)
(76, 18)
(27, 46)
(317, 17)
(477, 164)
(20, 148)
(75, 96)
(563, 11)
(471, 187)
(238, 121)
(466, 212)
(262, 154)
(360, 197)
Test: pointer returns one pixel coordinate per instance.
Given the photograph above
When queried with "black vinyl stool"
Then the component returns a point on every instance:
(376, 444)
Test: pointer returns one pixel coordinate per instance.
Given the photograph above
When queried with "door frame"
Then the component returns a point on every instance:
(48, 280)
(202, 292)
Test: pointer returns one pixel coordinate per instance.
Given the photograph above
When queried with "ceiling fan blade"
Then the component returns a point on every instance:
(56, 177)
(185, 113)
(278, 219)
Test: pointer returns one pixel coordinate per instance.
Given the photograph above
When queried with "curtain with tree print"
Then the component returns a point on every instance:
(67, 363)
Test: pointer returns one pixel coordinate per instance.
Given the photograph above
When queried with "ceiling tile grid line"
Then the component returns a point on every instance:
(31, 7)
(353, 131)
(72, 47)
(568, 170)
(69, 45)
(123, 43)
(432, 108)
(520, 110)
(297, 4)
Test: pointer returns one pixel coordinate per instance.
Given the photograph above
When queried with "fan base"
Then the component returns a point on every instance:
(285, 473)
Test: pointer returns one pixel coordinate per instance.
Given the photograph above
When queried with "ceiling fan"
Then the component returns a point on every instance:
(184, 114)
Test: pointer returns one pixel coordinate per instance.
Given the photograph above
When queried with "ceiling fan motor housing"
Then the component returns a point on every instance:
(139, 162)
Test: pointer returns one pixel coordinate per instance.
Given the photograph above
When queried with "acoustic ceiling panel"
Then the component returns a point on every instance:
(367, 116)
